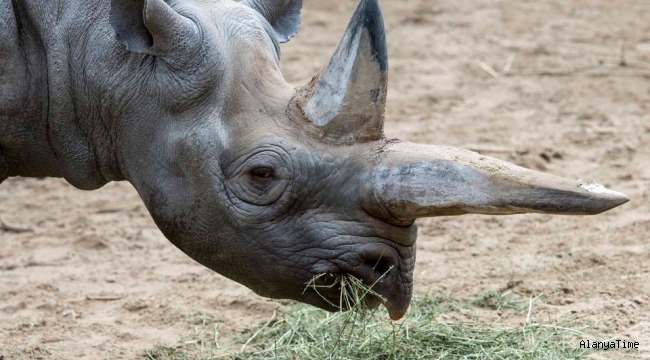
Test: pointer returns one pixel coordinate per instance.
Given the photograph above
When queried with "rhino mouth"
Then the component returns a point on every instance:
(380, 267)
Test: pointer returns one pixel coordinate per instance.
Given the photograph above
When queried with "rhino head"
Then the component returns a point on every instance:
(270, 185)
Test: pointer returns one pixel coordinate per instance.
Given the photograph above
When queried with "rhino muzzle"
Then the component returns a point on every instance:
(388, 268)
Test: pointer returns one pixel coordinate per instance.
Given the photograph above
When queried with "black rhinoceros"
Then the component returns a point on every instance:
(263, 183)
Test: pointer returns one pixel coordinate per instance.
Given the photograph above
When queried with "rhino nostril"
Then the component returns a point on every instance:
(379, 266)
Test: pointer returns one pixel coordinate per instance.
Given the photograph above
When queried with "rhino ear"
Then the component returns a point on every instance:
(283, 15)
(153, 27)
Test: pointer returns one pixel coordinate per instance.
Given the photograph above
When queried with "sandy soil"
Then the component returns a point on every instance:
(560, 86)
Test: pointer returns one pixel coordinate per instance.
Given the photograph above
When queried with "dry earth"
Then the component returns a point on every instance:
(559, 86)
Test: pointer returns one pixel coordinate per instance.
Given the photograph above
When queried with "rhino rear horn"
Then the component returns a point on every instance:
(283, 15)
(347, 99)
(153, 27)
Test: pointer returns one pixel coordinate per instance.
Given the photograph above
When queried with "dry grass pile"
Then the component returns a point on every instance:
(303, 332)
(362, 333)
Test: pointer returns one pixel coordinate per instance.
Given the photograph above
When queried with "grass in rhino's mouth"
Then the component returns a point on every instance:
(354, 294)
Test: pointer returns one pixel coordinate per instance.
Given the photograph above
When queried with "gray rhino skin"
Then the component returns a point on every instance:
(260, 182)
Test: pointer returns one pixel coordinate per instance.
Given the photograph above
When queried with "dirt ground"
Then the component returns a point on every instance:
(556, 85)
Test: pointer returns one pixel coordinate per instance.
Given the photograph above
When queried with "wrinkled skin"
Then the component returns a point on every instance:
(197, 116)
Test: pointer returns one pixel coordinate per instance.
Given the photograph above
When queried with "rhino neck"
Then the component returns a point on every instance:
(57, 127)
(24, 147)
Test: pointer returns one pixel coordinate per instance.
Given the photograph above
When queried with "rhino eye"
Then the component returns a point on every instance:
(261, 178)
(262, 173)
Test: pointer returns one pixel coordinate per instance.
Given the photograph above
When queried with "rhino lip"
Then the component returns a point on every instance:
(387, 281)
(379, 267)
(391, 276)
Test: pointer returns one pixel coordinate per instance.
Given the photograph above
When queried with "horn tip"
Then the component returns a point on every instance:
(610, 198)
(369, 16)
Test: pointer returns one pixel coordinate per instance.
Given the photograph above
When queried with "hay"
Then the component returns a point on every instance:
(304, 332)
(301, 331)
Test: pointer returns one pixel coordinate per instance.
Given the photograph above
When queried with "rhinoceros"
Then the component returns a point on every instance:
(264, 183)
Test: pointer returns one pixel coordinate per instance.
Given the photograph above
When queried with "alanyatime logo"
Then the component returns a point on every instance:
(606, 345)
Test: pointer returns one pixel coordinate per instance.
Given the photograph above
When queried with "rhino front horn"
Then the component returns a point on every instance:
(414, 181)
(347, 99)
